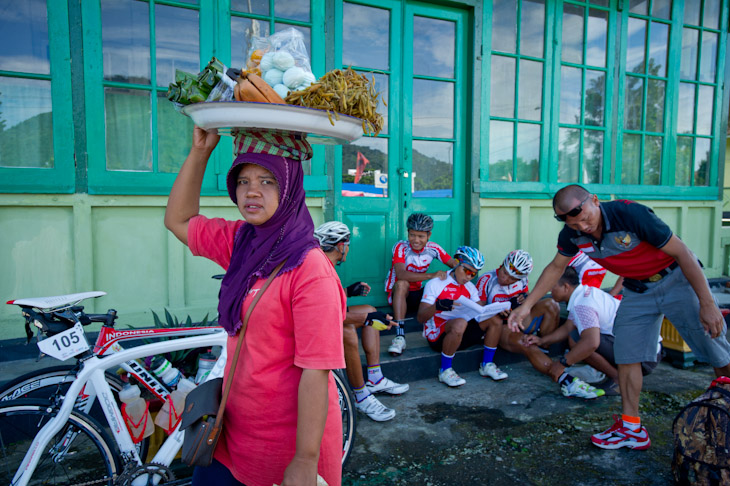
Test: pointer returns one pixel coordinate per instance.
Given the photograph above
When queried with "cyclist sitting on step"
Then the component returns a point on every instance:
(334, 239)
(411, 259)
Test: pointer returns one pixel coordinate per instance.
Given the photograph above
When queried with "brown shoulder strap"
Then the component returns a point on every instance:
(234, 362)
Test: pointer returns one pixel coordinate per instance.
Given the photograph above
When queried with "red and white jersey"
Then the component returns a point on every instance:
(416, 262)
(444, 289)
(490, 291)
(589, 272)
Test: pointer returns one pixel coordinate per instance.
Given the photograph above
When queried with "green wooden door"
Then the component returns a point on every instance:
(417, 163)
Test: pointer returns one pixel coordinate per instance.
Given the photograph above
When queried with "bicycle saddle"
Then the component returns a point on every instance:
(51, 303)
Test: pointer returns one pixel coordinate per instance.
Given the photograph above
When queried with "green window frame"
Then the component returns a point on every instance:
(60, 178)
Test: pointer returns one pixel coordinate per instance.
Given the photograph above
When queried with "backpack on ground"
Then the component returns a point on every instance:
(702, 438)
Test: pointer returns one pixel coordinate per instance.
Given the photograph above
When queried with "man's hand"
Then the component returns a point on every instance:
(357, 289)
(380, 321)
(531, 340)
(711, 319)
(514, 321)
(444, 304)
(441, 275)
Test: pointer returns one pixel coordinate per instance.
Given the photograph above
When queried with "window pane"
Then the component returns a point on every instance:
(174, 51)
(633, 103)
(692, 13)
(292, 9)
(636, 46)
(125, 37)
(306, 34)
(503, 86)
(434, 44)
(601, 3)
(639, 7)
(595, 86)
(532, 27)
(260, 7)
(653, 160)
(174, 136)
(365, 36)
(597, 35)
(371, 156)
(662, 9)
(501, 142)
(702, 162)
(530, 94)
(433, 169)
(528, 152)
(504, 25)
(568, 159)
(24, 37)
(655, 94)
(572, 46)
(688, 64)
(682, 170)
(592, 157)
(686, 108)
(708, 59)
(433, 108)
(711, 17)
(630, 158)
(242, 30)
(658, 49)
(570, 92)
(704, 110)
(381, 86)
(26, 123)
(128, 137)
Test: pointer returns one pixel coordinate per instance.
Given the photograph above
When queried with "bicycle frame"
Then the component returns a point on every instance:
(92, 371)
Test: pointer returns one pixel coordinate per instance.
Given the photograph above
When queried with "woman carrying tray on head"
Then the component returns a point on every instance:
(282, 422)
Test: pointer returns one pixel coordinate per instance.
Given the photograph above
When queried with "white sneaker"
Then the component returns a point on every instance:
(372, 407)
(491, 370)
(449, 377)
(387, 386)
(397, 346)
(581, 389)
(586, 373)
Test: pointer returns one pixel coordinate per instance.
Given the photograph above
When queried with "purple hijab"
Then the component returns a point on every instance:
(257, 250)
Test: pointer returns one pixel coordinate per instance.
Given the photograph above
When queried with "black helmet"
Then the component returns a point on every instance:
(419, 222)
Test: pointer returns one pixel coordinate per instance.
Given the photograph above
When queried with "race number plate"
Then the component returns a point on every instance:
(66, 344)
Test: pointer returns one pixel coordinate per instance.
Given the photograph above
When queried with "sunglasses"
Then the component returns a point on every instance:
(469, 272)
(573, 212)
(515, 271)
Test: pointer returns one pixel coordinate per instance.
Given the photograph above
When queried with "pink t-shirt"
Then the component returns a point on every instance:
(292, 327)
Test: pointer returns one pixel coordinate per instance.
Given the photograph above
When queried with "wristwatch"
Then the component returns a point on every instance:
(563, 361)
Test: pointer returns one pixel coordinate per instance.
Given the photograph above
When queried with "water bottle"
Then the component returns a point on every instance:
(164, 370)
(171, 412)
(206, 361)
(136, 413)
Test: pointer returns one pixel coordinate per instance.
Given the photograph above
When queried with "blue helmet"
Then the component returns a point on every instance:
(470, 256)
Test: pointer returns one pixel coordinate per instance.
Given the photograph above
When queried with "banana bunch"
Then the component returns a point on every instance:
(251, 87)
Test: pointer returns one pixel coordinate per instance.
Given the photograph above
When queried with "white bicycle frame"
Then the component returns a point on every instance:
(92, 371)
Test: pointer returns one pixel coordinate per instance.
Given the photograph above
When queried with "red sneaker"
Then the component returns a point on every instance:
(618, 436)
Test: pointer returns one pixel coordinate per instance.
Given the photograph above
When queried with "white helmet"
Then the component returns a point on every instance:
(518, 264)
(331, 233)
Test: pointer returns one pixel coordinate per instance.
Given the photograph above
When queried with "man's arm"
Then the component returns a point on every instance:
(425, 312)
(589, 340)
(402, 274)
(547, 280)
(710, 315)
(558, 335)
(452, 263)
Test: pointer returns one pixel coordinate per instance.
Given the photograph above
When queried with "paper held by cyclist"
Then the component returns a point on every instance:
(468, 309)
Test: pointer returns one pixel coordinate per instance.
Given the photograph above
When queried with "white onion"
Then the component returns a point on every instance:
(281, 90)
(294, 76)
(283, 60)
(267, 61)
(273, 76)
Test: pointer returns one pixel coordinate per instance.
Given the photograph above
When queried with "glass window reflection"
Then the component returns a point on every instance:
(702, 162)
(633, 103)
(704, 110)
(501, 141)
(688, 63)
(260, 7)
(26, 123)
(658, 49)
(686, 108)
(434, 42)
(242, 30)
(640, 7)
(594, 97)
(572, 40)
(503, 86)
(433, 169)
(532, 27)
(365, 36)
(568, 160)
(655, 94)
(174, 136)
(570, 94)
(711, 14)
(504, 26)
(708, 57)
(630, 158)
(24, 37)
(662, 9)
(635, 49)
(653, 160)
(292, 9)
(433, 108)
(365, 168)
(530, 94)
(683, 166)
(125, 36)
(692, 13)
(528, 152)
(174, 51)
(128, 137)
(597, 38)
(592, 157)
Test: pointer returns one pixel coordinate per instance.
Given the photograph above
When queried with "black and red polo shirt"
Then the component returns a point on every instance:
(630, 242)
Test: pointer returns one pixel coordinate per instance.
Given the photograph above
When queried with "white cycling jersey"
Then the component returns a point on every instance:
(416, 262)
(490, 291)
(591, 307)
(444, 289)
(589, 272)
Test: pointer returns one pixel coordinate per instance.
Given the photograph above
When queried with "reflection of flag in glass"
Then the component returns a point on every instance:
(361, 163)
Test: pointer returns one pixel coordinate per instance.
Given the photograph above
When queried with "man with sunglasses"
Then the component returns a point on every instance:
(446, 334)
(661, 277)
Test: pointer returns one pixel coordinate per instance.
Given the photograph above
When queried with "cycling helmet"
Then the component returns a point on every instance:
(331, 233)
(518, 264)
(470, 256)
(419, 222)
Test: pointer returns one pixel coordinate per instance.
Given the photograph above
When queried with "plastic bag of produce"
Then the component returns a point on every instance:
(281, 59)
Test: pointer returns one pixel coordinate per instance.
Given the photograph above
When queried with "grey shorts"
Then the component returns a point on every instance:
(605, 349)
(639, 319)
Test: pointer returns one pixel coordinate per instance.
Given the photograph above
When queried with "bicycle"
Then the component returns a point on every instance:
(56, 432)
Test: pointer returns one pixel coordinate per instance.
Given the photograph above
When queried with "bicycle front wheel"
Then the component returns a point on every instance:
(347, 406)
(81, 453)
